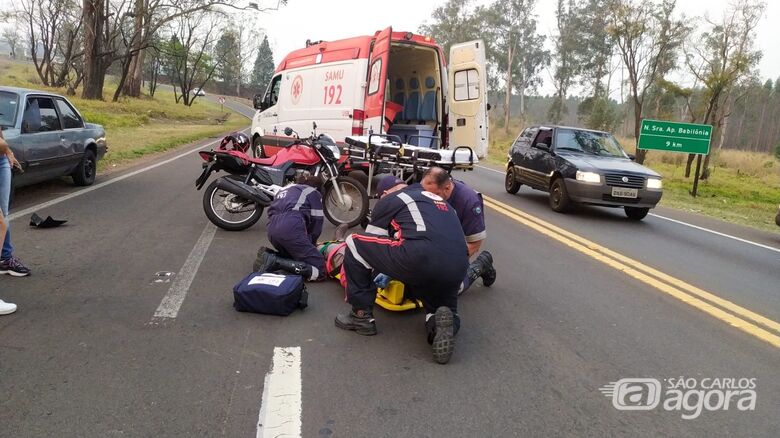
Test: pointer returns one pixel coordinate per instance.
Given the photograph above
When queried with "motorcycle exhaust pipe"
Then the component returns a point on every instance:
(245, 191)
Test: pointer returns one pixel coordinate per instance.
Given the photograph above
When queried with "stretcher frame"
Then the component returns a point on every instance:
(385, 153)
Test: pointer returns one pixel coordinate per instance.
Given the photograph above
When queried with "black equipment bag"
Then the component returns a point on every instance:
(272, 294)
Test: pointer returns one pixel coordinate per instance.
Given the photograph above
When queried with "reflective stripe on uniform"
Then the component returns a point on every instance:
(351, 245)
(373, 229)
(301, 199)
(476, 237)
(413, 210)
(317, 213)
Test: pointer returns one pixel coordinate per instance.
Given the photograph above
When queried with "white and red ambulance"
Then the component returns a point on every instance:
(390, 83)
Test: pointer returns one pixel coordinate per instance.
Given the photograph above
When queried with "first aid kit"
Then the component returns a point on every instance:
(271, 294)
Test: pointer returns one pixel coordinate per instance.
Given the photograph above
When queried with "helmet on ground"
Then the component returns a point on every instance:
(235, 141)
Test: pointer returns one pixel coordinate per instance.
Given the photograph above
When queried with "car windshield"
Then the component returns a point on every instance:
(8, 105)
(589, 142)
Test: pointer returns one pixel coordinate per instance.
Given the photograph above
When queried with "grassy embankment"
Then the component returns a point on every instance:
(136, 127)
(743, 188)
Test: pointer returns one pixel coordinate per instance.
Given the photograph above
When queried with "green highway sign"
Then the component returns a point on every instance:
(675, 137)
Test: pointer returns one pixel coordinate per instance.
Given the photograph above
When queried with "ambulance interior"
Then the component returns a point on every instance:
(414, 97)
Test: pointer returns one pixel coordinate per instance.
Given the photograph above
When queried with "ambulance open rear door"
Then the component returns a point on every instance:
(377, 81)
(467, 97)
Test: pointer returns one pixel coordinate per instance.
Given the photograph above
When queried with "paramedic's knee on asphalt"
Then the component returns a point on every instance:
(410, 233)
(295, 220)
(467, 203)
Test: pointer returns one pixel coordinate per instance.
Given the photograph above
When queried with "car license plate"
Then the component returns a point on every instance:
(621, 192)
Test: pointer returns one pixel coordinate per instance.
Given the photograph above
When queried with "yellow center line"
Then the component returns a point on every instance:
(663, 282)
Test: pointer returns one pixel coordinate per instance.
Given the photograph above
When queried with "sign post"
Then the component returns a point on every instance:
(688, 138)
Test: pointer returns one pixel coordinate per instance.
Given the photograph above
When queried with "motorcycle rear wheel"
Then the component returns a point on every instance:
(355, 198)
(228, 211)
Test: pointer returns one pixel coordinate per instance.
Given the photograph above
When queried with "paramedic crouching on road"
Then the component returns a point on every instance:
(414, 236)
(295, 219)
(467, 203)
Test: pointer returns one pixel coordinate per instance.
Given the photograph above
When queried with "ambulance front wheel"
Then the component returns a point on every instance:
(355, 202)
(257, 147)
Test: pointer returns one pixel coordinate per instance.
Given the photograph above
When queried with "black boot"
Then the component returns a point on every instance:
(483, 267)
(444, 335)
(263, 259)
(359, 321)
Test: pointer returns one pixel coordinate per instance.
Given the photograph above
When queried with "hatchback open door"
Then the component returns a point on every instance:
(377, 81)
(467, 97)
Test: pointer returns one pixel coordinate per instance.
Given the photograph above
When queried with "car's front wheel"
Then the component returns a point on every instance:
(636, 213)
(559, 197)
(84, 175)
(510, 183)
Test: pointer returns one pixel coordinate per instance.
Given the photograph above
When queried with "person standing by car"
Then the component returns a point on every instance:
(425, 232)
(467, 203)
(295, 219)
(5, 308)
(8, 263)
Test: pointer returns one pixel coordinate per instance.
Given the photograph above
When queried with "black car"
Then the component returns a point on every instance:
(49, 137)
(583, 166)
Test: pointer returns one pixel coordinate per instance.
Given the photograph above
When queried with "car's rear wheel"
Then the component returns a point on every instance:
(636, 213)
(510, 182)
(559, 197)
(84, 175)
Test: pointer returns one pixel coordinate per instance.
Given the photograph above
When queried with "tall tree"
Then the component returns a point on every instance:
(11, 37)
(264, 67)
(566, 65)
(453, 22)
(645, 34)
(516, 49)
(722, 55)
(228, 71)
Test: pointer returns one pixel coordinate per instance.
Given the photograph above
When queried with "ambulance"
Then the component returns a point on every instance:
(394, 83)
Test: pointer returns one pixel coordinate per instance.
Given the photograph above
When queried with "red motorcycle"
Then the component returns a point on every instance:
(236, 201)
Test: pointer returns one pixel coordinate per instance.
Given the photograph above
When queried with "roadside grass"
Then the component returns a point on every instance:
(743, 187)
(136, 127)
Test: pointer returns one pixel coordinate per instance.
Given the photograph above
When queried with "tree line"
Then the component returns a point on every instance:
(75, 44)
(629, 59)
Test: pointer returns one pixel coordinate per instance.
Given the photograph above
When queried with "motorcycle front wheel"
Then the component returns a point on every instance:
(355, 205)
(229, 211)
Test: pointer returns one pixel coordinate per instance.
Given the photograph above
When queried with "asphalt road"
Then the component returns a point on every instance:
(84, 355)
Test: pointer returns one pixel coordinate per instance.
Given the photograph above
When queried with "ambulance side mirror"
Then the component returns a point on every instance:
(257, 102)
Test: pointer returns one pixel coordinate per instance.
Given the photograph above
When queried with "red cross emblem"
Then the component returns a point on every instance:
(297, 89)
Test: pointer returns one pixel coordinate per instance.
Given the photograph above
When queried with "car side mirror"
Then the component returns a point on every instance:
(542, 146)
(631, 157)
(257, 102)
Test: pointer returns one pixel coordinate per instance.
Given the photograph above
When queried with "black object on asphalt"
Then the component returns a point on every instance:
(49, 222)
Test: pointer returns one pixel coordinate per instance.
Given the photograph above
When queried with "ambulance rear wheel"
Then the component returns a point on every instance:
(354, 206)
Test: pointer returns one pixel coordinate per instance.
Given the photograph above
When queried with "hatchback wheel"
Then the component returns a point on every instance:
(636, 213)
(559, 197)
(510, 183)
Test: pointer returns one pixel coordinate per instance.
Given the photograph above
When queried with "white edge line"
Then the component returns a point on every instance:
(718, 233)
(280, 408)
(173, 299)
(56, 201)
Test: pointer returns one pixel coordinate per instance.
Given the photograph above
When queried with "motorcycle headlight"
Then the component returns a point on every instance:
(335, 150)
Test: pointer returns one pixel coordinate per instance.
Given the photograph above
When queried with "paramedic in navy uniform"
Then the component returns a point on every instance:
(411, 232)
(295, 219)
(467, 203)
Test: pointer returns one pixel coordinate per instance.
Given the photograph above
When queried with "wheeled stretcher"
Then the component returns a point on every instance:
(386, 153)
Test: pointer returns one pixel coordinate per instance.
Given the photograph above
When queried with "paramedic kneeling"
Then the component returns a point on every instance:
(295, 219)
(426, 252)
(467, 203)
